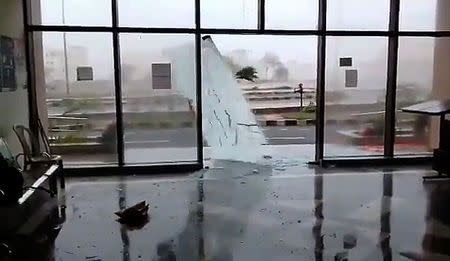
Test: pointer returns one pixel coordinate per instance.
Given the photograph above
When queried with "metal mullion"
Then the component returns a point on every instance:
(294, 32)
(156, 30)
(391, 86)
(198, 74)
(257, 31)
(290, 32)
(33, 114)
(71, 28)
(261, 15)
(357, 33)
(320, 91)
(425, 33)
(117, 84)
(68, 28)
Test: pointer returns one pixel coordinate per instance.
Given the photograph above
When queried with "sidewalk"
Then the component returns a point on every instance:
(278, 120)
(278, 157)
(276, 153)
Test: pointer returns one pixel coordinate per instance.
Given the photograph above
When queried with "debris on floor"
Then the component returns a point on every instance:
(134, 217)
(350, 241)
(412, 256)
(342, 256)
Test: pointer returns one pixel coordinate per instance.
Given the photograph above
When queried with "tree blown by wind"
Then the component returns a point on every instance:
(247, 73)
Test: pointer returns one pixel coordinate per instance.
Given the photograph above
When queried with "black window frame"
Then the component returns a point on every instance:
(393, 34)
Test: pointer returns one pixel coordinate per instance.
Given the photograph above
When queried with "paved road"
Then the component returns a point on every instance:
(186, 137)
(290, 135)
(182, 137)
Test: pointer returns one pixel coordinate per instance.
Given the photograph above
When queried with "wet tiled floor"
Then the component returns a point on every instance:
(241, 212)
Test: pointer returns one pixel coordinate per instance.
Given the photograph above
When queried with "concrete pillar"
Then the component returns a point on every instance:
(441, 84)
(37, 70)
(441, 80)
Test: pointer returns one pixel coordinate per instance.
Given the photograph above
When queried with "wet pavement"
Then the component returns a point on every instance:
(238, 211)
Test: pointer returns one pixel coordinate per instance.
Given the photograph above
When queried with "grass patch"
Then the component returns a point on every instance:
(73, 105)
(302, 115)
(70, 139)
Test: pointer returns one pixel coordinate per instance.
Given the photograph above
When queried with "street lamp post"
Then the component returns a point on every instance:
(66, 69)
(300, 90)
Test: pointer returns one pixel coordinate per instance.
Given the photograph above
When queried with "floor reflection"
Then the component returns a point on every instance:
(318, 213)
(122, 191)
(239, 213)
(436, 240)
(189, 243)
(385, 216)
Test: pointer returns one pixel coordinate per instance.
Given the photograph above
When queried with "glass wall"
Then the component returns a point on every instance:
(256, 88)
(250, 80)
(157, 13)
(80, 100)
(416, 77)
(357, 14)
(291, 14)
(355, 94)
(242, 14)
(159, 98)
(71, 12)
(419, 15)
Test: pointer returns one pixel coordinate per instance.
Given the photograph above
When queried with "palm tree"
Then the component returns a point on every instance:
(247, 73)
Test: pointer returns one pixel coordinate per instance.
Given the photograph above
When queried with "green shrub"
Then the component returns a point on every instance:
(70, 138)
(310, 108)
(78, 104)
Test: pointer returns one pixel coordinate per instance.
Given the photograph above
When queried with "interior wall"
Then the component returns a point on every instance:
(441, 81)
(441, 88)
(14, 105)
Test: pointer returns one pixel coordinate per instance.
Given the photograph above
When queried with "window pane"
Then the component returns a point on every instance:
(291, 14)
(71, 12)
(242, 14)
(157, 13)
(419, 15)
(159, 98)
(355, 96)
(419, 75)
(248, 80)
(81, 110)
(358, 15)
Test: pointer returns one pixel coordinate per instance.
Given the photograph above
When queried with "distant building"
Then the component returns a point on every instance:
(161, 76)
(55, 66)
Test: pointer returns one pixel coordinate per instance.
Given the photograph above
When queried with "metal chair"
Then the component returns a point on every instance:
(7, 155)
(28, 141)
